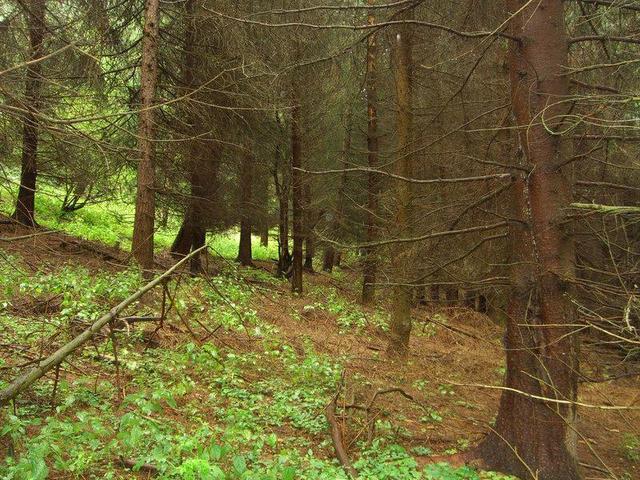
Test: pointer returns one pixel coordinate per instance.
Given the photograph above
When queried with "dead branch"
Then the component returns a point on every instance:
(56, 358)
(336, 436)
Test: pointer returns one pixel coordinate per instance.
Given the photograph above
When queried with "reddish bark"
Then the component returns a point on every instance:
(541, 347)
(143, 229)
(25, 205)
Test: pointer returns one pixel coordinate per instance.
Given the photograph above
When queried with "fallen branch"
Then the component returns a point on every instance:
(56, 358)
(24, 237)
(608, 209)
(133, 465)
(88, 246)
(336, 435)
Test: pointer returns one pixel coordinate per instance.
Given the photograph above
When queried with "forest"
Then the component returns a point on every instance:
(320, 239)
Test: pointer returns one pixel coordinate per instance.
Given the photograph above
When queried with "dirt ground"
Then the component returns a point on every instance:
(451, 350)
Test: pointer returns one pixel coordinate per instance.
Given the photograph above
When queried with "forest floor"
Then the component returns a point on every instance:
(235, 382)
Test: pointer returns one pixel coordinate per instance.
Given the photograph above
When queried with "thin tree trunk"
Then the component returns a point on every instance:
(370, 263)
(282, 192)
(142, 244)
(332, 255)
(264, 234)
(542, 349)
(246, 213)
(25, 205)
(284, 256)
(434, 294)
(308, 228)
(400, 327)
(296, 180)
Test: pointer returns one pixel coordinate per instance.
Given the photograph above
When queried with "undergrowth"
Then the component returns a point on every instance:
(187, 405)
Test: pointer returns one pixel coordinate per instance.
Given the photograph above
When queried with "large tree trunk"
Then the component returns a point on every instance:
(25, 205)
(370, 263)
(192, 234)
(142, 244)
(246, 210)
(400, 328)
(542, 348)
(296, 180)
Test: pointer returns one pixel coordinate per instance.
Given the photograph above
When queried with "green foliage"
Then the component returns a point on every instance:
(349, 315)
(110, 223)
(198, 410)
(631, 447)
(226, 245)
(386, 462)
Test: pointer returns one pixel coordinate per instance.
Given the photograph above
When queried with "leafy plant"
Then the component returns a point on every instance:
(631, 447)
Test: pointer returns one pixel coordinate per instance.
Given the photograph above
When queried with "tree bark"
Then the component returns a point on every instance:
(309, 250)
(246, 211)
(328, 258)
(192, 233)
(282, 192)
(296, 180)
(434, 294)
(400, 327)
(370, 263)
(143, 229)
(451, 295)
(332, 255)
(542, 349)
(25, 205)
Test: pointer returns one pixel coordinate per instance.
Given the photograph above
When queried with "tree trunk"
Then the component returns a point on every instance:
(328, 258)
(142, 244)
(541, 347)
(332, 255)
(420, 295)
(282, 192)
(296, 180)
(309, 251)
(25, 205)
(434, 294)
(264, 234)
(246, 213)
(451, 295)
(370, 263)
(400, 327)
(192, 233)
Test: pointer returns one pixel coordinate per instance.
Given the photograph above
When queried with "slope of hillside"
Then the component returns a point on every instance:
(237, 378)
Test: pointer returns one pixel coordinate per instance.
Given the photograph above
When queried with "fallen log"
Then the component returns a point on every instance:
(56, 358)
(336, 438)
